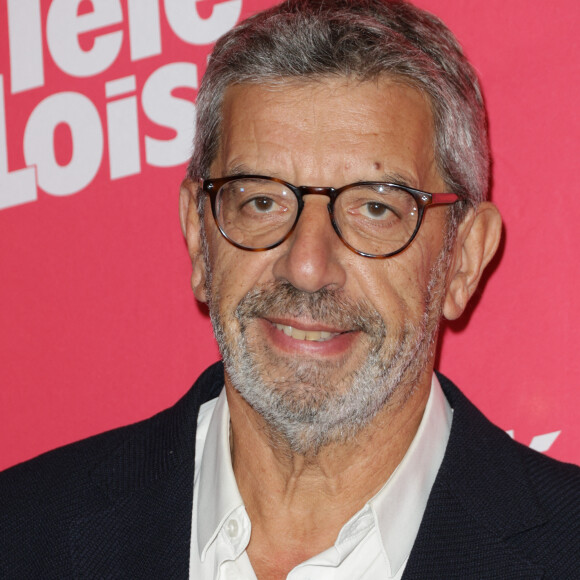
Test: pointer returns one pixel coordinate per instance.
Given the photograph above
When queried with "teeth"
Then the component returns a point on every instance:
(315, 335)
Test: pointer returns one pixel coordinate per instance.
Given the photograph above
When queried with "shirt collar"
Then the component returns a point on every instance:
(218, 491)
(397, 508)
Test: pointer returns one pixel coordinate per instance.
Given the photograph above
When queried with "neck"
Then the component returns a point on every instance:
(311, 496)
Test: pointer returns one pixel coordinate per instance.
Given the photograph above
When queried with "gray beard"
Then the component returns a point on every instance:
(309, 404)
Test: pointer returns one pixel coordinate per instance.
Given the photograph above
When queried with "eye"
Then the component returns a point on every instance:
(262, 204)
(375, 210)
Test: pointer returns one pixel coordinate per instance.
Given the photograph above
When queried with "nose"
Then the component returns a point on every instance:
(310, 258)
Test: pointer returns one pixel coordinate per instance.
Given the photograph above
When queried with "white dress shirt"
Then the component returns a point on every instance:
(374, 543)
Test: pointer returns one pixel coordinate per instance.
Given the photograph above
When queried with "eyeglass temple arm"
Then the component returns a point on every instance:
(440, 198)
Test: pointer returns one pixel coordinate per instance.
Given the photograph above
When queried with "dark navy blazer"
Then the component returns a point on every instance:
(118, 505)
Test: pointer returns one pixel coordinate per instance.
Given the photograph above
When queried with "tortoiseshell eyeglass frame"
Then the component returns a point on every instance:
(422, 198)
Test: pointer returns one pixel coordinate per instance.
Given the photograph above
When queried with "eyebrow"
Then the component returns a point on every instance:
(242, 169)
(390, 177)
(399, 179)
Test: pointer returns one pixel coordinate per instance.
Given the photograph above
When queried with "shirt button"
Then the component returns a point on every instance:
(232, 528)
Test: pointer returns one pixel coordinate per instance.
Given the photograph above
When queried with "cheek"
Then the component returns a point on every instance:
(398, 288)
(234, 273)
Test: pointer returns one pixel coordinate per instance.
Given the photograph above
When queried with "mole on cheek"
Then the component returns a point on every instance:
(377, 165)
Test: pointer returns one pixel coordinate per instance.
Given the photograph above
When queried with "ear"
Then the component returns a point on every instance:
(191, 228)
(477, 240)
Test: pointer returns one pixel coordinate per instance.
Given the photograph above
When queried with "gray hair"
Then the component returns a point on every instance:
(360, 39)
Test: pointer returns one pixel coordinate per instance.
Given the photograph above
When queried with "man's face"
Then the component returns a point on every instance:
(316, 338)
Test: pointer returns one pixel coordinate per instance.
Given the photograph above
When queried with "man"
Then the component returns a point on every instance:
(334, 211)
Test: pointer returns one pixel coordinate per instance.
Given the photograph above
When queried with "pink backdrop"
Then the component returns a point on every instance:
(98, 326)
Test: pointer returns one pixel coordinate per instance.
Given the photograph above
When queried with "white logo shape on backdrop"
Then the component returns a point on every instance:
(540, 442)
(90, 128)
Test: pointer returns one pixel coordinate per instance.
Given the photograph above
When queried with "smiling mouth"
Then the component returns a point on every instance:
(312, 335)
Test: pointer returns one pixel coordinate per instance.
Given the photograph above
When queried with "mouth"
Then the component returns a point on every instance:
(310, 335)
(307, 337)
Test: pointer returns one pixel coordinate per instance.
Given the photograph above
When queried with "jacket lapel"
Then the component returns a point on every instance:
(473, 511)
(143, 535)
(453, 543)
(140, 522)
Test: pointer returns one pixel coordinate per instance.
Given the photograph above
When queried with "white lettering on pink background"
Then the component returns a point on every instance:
(92, 129)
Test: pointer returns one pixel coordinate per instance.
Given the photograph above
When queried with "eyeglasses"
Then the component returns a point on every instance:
(373, 219)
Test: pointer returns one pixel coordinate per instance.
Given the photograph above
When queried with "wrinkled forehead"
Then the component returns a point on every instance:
(329, 134)
(328, 112)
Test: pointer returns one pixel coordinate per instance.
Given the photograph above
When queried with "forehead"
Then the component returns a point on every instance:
(329, 130)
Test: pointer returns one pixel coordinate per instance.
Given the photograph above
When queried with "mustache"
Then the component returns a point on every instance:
(328, 306)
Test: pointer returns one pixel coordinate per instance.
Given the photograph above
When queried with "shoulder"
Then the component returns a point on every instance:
(67, 462)
(474, 434)
(40, 498)
(524, 500)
